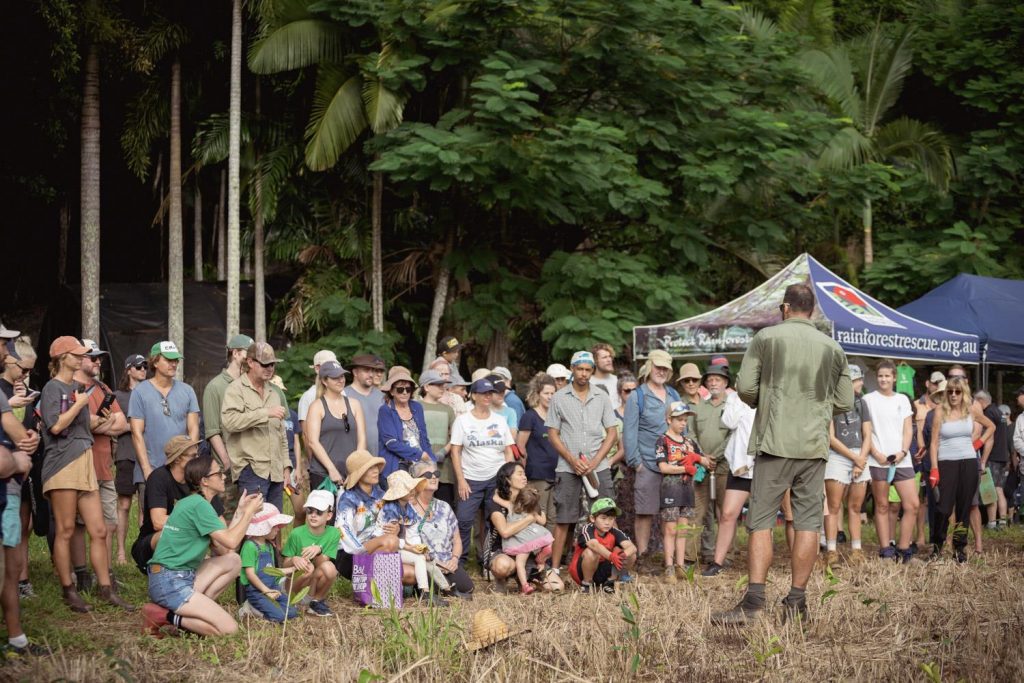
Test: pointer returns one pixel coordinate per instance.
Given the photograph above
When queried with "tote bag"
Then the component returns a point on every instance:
(383, 570)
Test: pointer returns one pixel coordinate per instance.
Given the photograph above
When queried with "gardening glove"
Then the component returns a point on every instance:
(933, 477)
(616, 558)
(977, 444)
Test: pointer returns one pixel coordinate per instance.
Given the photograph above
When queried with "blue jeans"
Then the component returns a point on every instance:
(480, 494)
(171, 588)
(273, 491)
(272, 610)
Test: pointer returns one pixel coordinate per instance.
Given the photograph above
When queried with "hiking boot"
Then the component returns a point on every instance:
(683, 572)
(714, 569)
(961, 555)
(154, 618)
(73, 600)
(856, 556)
(795, 611)
(108, 595)
(831, 558)
(841, 537)
(670, 576)
(741, 615)
(84, 581)
(320, 608)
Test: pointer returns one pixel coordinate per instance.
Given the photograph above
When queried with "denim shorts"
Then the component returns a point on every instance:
(171, 588)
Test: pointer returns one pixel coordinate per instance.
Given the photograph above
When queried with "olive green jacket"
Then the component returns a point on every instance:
(251, 436)
(797, 378)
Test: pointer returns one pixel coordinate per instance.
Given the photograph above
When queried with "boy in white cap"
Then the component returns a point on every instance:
(312, 548)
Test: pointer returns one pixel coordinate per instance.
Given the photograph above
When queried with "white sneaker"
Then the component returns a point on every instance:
(247, 610)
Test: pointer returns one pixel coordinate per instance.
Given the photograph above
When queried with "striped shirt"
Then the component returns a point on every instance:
(581, 424)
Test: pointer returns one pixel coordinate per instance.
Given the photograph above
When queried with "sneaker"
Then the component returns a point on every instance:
(626, 577)
(25, 590)
(714, 569)
(432, 600)
(794, 611)
(888, 553)
(320, 608)
(609, 588)
(961, 555)
(154, 617)
(906, 557)
(913, 548)
(247, 610)
(670, 575)
(841, 537)
(30, 650)
(683, 572)
(585, 588)
(742, 614)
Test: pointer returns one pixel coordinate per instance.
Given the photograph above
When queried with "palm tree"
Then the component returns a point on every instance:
(345, 102)
(234, 155)
(90, 199)
(862, 79)
(175, 247)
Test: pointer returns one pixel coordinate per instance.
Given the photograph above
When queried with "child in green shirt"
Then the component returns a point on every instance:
(262, 591)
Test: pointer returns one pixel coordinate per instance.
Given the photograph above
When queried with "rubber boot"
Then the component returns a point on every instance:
(73, 600)
(108, 595)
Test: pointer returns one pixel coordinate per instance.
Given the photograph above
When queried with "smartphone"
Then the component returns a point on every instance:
(108, 400)
(32, 394)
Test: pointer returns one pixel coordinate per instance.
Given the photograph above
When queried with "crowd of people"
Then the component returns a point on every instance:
(589, 477)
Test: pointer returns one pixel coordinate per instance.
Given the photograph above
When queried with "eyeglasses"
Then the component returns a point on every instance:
(402, 390)
(27, 371)
(429, 475)
(266, 365)
(218, 473)
(166, 407)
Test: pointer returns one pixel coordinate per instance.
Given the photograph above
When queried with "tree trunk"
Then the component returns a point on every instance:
(377, 269)
(497, 350)
(197, 233)
(222, 231)
(260, 317)
(234, 155)
(440, 297)
(62, 245)
(869, 247)
(175, 237)
(90, 197)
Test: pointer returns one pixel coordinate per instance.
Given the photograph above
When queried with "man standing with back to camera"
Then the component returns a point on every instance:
(797, 378)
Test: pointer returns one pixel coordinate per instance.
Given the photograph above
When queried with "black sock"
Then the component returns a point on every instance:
(755, 595)
(797, 594)
(80, 570)
(174, 619)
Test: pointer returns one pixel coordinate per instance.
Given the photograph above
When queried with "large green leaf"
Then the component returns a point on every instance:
(883, 62)
(832, 72)
(921, 144)
(295, 45)
(337, 119)
(384, 107)
(847, 148)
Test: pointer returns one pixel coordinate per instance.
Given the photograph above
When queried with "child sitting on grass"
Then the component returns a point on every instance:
(601, 546)
(311, 548)
(533, 540)
(402, 488)
(262, 591)
(678, 457)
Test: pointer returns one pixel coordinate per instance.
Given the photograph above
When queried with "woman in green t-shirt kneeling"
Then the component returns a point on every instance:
(183, 585)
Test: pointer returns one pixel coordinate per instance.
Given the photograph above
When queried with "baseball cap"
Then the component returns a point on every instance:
(240, 341)
(940, 388)
(319, 500)
(605, 506)
(449, 344)
(502, 372)
(857, 373)
(482, 386)
(8, 334)
(322, 356)
(12, 350)
(432, 377)
(67, 344)
(936, 377)
(133, 360)
(677, 408)
(94, 348)
(559, 371)
(167, 349)
(332, 369)
(581, 357)
(366, 360)
(500, 385)
(261, 352)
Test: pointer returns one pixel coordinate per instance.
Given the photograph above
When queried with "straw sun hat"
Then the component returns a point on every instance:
(488, 629)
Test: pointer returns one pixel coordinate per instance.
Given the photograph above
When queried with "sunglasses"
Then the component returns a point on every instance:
(266, 365)
(691, 380)
(27, 371)
(429, 475)
(344, 419)
(314, 511)
(955, 392)
(166, 407)
(629, 391)
(402, 390)
(140, 366)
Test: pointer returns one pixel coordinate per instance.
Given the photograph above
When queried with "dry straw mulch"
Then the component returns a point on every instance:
(875, 622)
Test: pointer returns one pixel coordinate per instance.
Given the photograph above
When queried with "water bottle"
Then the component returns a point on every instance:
(64, 405)
(590, 481)
(711, 483)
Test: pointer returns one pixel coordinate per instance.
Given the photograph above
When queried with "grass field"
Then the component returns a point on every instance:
(878, 622)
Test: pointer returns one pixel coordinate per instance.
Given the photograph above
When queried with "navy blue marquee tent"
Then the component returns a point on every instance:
(988, 307)
(862, 325)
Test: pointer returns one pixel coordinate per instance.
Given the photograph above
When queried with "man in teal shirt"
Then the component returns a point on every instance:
(797, 378)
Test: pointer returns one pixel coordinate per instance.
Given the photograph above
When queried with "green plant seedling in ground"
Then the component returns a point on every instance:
(411, 636)
(932, 671)
(633, 634)
(292, 599)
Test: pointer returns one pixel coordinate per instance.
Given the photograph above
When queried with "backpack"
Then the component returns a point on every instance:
(673, 395)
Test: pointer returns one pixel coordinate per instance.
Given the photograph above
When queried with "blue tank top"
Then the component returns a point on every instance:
(955, 440)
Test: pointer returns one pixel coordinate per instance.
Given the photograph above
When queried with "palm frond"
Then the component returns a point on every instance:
(811, 18)
(147, 119)
(337, 119)
(273, 170)
(847, 148)
(756, 24)
(210, 143)
(158, 39)
(384, 108)
(292, 37)
(833, 73)
(883, 63)
(919, 143)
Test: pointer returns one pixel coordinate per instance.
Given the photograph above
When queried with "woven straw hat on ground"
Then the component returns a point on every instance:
(488, 629)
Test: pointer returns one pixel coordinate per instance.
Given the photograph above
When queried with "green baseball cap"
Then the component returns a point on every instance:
(240, 341)
(604, 506)
(167, 349)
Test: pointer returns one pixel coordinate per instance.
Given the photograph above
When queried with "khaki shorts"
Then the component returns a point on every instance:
(108, 499)
(80, 476)
(773, 476)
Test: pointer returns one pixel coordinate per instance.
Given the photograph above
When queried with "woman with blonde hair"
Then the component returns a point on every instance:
(334, 427)
(954, 458)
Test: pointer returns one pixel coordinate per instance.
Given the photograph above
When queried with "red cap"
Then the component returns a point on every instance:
(67, 344)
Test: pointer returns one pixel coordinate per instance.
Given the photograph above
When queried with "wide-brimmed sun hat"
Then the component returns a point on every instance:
(398, 374)
(264, 521)
(401, 484)
(176, 446)
(357, 463)
(487, 629)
